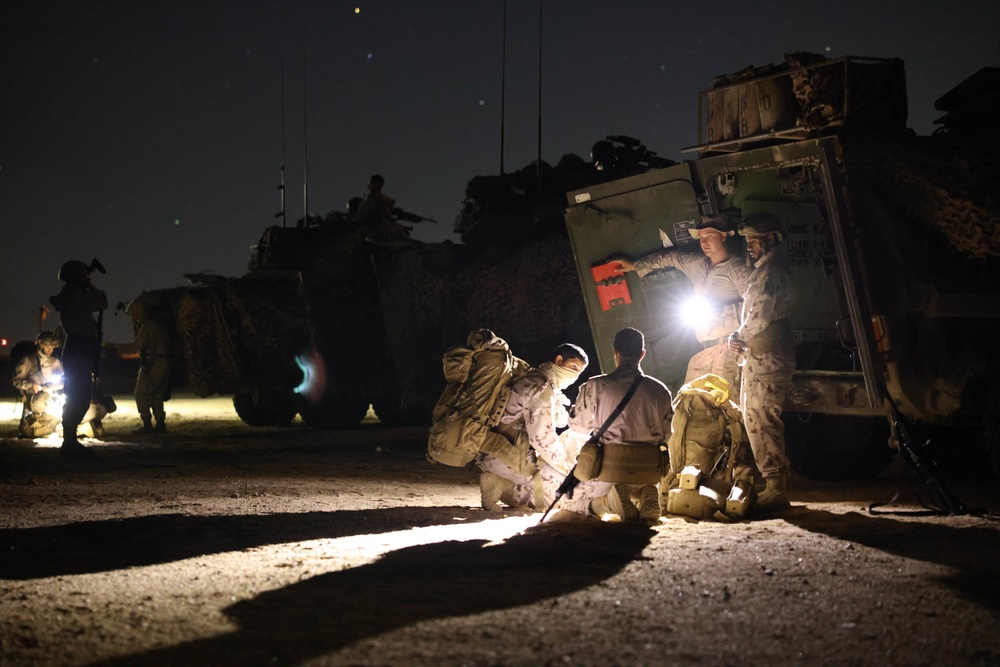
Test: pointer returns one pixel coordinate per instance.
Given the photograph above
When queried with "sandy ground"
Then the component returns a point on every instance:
(218, 544)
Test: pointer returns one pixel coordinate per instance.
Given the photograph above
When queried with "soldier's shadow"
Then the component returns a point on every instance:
(969, 551)
(405, 587)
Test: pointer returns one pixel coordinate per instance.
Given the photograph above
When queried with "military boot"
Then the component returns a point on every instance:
(618, 501)
(147, 426)
(491, 490)
(773, 498)
(649, 503)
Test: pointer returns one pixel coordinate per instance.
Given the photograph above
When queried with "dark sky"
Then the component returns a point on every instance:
(148, 133)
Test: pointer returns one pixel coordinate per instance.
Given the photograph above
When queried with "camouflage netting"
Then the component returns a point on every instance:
(419, 307)
(947, 185)
(208, 355)
(236, 329)
(530, 297)
(431, 299)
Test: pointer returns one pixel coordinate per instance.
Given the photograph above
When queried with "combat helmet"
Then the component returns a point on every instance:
(73, 271)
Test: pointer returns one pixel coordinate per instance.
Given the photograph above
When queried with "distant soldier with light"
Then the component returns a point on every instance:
(37, 375)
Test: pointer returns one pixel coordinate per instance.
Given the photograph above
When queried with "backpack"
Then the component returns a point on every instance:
(479, 375)
(708, 450)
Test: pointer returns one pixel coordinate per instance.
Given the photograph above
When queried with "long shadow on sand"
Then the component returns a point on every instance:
(316, 616)
(103, 546)
(971, 551)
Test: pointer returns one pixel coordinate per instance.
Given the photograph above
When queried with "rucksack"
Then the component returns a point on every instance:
(709, 446)
(479, 375)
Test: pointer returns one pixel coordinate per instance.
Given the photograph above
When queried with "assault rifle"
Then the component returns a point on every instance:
(95, 265)
(400, 214)
(942, 500)
(565, 489)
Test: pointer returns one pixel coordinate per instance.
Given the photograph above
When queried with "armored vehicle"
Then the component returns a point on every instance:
(893, 242)
(330, 319)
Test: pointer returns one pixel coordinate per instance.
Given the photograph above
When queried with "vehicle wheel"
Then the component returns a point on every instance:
(333, 411)
(836, 447)
(265, 408)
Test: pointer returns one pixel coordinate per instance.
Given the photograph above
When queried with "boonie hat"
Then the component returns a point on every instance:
(761, 224)
(715, 223)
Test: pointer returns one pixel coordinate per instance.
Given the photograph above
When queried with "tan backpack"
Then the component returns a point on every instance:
(479, 375)
(708, 453)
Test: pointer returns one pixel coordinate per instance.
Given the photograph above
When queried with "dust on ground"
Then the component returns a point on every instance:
(219, 544)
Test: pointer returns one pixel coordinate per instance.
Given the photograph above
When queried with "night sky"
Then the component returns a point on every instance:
(148, 133)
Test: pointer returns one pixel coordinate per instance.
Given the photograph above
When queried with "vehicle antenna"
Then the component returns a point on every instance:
(281, 186)
(538, 162)
(503, 84)
(305, 146)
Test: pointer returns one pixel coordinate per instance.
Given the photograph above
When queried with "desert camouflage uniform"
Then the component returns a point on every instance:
(537, 408)
(41, 369)
(644, 421)
(722, 284)
(768, 361)
(156, 362)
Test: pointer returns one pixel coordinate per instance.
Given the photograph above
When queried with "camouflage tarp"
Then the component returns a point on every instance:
(946, 184)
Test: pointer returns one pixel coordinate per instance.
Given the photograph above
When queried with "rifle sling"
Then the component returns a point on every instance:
(596, 438)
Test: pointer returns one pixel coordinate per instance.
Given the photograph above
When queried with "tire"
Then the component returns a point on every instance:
(333, 412)
(835, 447)
(265, 408)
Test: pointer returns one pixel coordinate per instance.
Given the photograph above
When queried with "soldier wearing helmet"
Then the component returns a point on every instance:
(764, 341)
(76, 303)
(37, 374)
(718, 278)
(156, 362)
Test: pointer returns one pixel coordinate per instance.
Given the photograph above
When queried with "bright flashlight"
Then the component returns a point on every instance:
(699, 312)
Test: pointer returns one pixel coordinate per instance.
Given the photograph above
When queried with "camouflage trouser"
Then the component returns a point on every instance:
(524, 490)
(151, 386)
(718, 359)
(766, 381)
(582, 494)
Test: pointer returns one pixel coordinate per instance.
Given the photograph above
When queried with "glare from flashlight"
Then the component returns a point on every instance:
(699, 312)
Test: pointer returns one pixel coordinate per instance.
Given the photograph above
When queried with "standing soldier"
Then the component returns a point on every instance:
(718, 279)
(76, 303)
(156, 362)
(764, 339)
